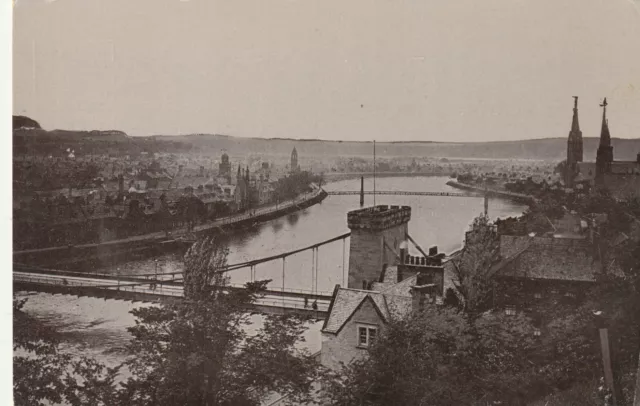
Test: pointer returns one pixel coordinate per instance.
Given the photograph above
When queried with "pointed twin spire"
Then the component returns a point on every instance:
(575, 125)
(605, 136)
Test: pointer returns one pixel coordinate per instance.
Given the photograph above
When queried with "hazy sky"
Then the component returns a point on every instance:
(441, 70)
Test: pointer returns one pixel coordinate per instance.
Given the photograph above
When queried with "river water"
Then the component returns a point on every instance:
(97, 327)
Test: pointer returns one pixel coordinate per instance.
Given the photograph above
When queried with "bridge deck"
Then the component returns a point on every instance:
(153, 291)
(402, 193)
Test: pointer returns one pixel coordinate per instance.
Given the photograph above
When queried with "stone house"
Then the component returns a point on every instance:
(536, 271)
(396, 283)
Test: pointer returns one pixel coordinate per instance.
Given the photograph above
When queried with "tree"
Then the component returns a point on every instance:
(474, 266)
(560, 168)
(43, 375)
(196, 352)
(443, 357)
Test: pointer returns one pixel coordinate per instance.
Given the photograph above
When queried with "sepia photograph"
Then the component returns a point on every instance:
(321, 202)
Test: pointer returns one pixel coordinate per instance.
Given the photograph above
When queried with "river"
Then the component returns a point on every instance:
(97, 327)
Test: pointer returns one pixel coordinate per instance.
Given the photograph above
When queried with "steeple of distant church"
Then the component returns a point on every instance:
(574, 147)
(604, 156)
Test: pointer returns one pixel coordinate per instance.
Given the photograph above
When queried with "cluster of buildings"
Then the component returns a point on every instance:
(620, 178)
(238, 191)
(385, 281)
(148, 199)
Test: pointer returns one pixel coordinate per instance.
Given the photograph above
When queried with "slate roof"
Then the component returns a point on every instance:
(346, 302)
(535, 262)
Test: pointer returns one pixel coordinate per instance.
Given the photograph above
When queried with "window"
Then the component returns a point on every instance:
(537, 295)
(510, 310)
(537, 332)
(570, 294)
(367, 336)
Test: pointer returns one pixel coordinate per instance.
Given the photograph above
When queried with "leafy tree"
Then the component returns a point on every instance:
(196, 352)
(443, 357)
(43, 375)
(474, 266)
(560, 168)
(295, 184)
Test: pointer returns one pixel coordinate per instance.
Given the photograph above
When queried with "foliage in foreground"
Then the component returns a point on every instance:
(44, 375)
(444, 357)
(195, 352)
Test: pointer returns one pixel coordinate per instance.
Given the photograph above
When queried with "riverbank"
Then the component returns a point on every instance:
(518, 197)
(111, 252)
(98, 327)
(331, 177)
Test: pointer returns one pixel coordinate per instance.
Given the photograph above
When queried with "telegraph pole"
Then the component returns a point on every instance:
(374, 173)
(609, 380)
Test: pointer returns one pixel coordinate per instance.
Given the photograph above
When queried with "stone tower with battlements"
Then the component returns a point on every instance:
(376, 234)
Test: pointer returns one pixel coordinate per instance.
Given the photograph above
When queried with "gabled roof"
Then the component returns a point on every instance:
(347, 302)
(567, 264)
(392, 301)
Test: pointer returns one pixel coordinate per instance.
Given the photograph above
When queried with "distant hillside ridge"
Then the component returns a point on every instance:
(554, 149)
(34, 140)
(24, 122)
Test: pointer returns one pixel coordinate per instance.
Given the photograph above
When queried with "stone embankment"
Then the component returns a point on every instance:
(528, 199)
(110, 252)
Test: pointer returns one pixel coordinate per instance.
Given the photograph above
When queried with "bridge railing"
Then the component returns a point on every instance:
(322, 306)
(148, 288)
(289, 290)
(160, 290)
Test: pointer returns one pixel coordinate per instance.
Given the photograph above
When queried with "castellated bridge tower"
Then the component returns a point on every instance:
(376, 234)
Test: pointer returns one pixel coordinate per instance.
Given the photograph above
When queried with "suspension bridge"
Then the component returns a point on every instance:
(401, 193)
(168, 286)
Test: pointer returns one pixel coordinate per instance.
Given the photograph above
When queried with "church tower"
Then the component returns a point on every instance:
(604, 156)
(294, 160)
(574, 147)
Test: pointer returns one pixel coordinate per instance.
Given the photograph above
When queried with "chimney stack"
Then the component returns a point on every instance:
(201, 170)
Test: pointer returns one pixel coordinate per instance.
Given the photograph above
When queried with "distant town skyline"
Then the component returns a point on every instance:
(497, 70)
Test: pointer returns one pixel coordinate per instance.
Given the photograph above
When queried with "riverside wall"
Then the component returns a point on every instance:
(108, 253)
(519, 197)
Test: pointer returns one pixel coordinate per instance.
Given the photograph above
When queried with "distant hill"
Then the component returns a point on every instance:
(38, 141)
(24, 122)
(539, 149)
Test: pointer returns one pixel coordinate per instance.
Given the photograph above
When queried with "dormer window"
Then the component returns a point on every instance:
(366, 336)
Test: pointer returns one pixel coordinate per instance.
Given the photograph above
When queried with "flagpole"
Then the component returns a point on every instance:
(374, 173)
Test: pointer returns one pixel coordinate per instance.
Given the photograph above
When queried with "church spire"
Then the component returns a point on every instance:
(604, 155)
(575, 125)
(574, 147)
(605, 136)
